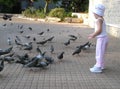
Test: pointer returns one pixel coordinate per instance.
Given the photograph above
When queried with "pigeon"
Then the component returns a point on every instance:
(2, 52)
(4, 24)
(24, 59)
(72, 39)
(9, 59)
(35, 60)
(21, 27)
(7, 17)
(34, 39)
(78, 50)
(2, 65)
(28, 47)
(67, 43)
(18, 38)
(9, 49)
(41, 33)
(17, 42)
(30, 28)
(48, 30)
(49, 59)
(83, 46)
(86, 46)
(50, 39)
(9, 41)
(51, 49)
(60, 56)
(27, 44)
(73, 36)
(27, 36)
(38, 50)
(42, 42)
(21, 31)
(10, 54)
(42, 64)
(40, 56)
(32, 63)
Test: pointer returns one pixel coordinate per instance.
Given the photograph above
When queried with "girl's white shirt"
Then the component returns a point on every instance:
(103, 33)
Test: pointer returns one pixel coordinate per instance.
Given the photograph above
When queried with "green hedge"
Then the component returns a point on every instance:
(33, 13)
(36, 13)
(57, 12)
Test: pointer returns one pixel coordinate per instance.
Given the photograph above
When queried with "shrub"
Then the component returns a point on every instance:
(68, 14)
(75, 16)
(34, 13)
(57, 12)
(40, 14)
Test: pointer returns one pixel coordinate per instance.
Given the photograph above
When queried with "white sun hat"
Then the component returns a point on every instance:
(99, 9)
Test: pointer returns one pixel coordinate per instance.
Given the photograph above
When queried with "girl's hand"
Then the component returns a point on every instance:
(91, 36)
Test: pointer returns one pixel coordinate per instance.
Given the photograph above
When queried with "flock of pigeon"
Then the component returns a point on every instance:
(39, 61)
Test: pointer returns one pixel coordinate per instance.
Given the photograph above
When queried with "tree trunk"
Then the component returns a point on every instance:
(46, 7)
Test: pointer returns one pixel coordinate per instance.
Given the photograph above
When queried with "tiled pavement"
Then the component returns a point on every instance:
(72, 73)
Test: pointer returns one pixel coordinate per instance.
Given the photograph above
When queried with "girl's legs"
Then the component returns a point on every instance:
(100, 51)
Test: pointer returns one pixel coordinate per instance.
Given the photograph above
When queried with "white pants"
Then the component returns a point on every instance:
(101, 46)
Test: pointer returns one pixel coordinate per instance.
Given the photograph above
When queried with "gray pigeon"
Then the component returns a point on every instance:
(78, 50)
(49, 59)
(42, 42)
(41, 33)
(2, 52)
(51, 49)
(1, 65)
(50, 39)
(60, 56)
(18, 38)
(30, 28)
(42, 64)
(9, 41)
(67, 43)
(28, 47)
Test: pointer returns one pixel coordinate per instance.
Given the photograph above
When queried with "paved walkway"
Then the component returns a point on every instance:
(72, 73)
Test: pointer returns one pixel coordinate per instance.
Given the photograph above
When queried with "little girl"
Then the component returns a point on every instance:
(102, 38)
